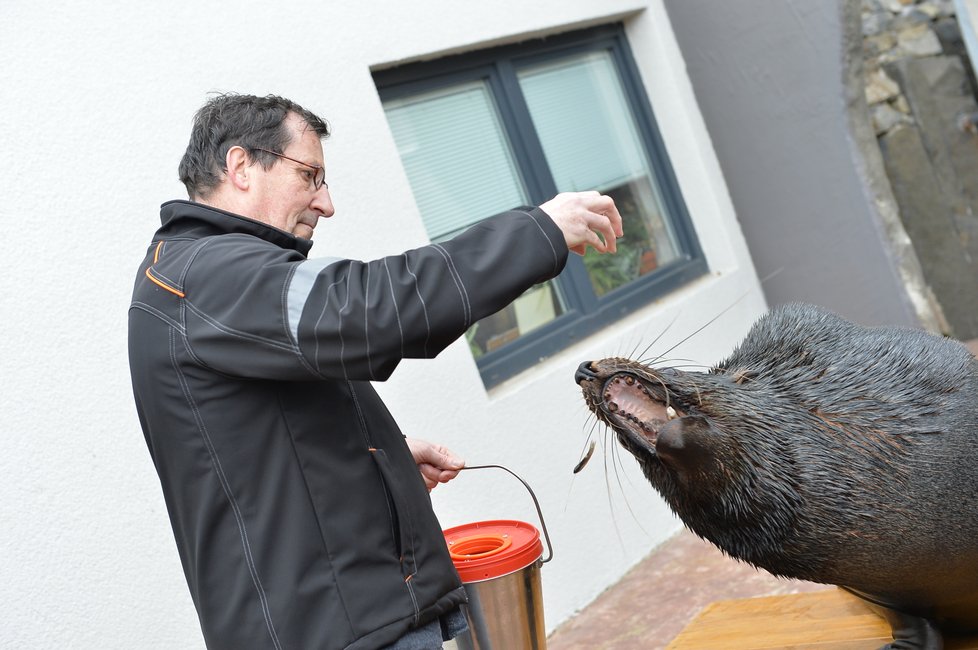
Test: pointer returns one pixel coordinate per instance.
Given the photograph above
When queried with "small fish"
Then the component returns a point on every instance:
(587, 457)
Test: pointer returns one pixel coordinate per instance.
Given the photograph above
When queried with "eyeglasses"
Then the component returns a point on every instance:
(318, 177)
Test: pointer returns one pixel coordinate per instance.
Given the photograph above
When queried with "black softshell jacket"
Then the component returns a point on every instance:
(300, 517)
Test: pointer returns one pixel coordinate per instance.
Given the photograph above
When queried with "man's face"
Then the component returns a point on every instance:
(285, 196)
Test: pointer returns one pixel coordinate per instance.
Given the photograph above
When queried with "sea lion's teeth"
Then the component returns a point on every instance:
(671, 413)
(612, 407)
(607, 396)
(629, 380)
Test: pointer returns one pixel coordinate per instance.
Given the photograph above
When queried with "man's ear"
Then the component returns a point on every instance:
(238, 164)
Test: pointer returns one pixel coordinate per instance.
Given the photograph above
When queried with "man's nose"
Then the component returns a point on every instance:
(584, 373)
(322, 202)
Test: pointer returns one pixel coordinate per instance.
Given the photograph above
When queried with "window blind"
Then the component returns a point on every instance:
(584, 123)
(456, 156)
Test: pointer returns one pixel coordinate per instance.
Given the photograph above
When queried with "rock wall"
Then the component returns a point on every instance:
(920, 89)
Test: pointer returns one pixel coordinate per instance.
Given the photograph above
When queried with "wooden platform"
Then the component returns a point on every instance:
(832, 619)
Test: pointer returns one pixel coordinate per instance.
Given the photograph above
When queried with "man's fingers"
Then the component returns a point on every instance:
(434, 475)
(438, 456)
(579, 243)
(448, 460)
(615, 218)
(599, 244)
(586, 219)
(610, 217)
(610, 224)
(597, 234)
(601, 224)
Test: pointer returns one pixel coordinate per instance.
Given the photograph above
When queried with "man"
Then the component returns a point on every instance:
(300, 515)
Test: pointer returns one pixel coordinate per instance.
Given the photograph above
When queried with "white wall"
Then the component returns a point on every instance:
(97, 103)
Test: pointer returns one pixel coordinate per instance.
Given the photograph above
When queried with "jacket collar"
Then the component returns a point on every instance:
(186, 218)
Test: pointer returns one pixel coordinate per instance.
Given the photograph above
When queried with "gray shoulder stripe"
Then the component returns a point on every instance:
(454, 274)
(397, 311)
(300, 285)
(424, 307)
(366, 319)
(346, 304)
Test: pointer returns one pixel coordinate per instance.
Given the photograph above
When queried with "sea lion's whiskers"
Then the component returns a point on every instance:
(699, 366)
(761, 282)
(658, 337)
(617, 463)
(705, 325)
(590, 414)
(692, 363)
(611, 504)
(723, 311)
(635, 348)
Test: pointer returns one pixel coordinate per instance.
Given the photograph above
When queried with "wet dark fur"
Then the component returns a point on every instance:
(820, 450)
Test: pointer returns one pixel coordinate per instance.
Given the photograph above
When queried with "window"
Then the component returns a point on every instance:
(484, 132)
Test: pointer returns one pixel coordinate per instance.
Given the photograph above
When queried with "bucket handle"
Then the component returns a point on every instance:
(550, 548)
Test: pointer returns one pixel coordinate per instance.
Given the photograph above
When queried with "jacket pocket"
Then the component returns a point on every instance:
(403, 514)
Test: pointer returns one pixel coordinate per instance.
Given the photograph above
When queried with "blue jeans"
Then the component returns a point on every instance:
(432, 635)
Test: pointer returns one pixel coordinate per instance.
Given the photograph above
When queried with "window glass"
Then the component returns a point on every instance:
(590, 140)
(456, 157)
(462, 170)
(484, 131)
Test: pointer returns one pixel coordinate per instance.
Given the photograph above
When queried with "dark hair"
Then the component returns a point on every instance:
(244, 120)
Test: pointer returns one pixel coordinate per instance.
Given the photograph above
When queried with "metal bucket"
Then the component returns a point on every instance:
(499, 563)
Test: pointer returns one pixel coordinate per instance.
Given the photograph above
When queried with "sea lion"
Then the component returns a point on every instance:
(824, 451)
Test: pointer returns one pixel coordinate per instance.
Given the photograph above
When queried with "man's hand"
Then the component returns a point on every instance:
(581, 216)
(437, 464)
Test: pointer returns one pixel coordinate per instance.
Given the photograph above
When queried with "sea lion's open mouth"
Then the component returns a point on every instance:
(629, 404)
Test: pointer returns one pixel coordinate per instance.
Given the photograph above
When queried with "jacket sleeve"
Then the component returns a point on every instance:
(268, 313)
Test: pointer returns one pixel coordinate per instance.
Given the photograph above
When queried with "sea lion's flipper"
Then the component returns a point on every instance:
(910, 632)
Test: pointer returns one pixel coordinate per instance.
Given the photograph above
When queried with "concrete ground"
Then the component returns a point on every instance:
(647, 608)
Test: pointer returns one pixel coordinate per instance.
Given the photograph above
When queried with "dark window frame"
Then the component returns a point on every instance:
(586, 313)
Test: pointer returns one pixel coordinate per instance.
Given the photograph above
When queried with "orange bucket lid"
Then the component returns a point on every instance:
(490, 549)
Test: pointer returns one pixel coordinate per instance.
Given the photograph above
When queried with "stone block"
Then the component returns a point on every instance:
(932, 218)
(880, 87)
(885, 117)
(919, 40)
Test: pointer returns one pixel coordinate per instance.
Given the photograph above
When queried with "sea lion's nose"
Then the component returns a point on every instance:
(584, 373)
